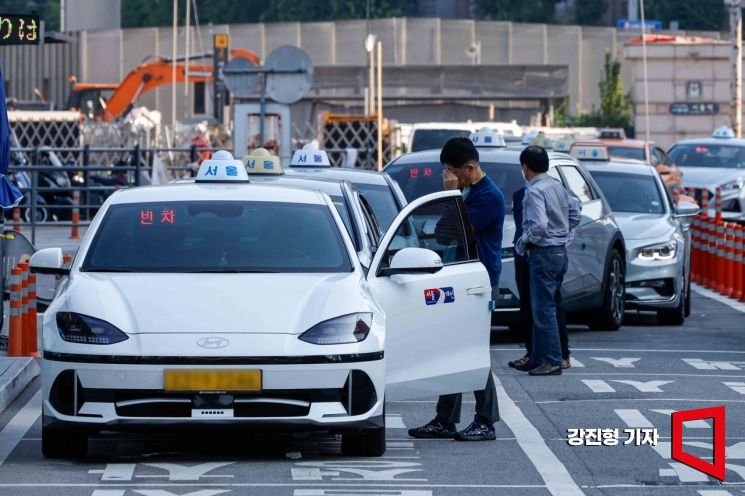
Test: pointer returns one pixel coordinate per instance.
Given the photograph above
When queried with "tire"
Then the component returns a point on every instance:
(687, 304)
(42, 214)
(675, 316)
(369, 442)
(67, 443)
(609, 316)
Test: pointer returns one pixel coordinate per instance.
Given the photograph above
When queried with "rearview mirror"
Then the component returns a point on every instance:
(413, 261)
(686, 209)
(48, 261)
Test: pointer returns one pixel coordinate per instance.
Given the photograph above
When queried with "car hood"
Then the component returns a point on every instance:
(643, 226)
(204, 303)
(709, 177)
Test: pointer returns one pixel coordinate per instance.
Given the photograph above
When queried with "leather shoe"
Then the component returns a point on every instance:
(525, 367)
(519, 361)
(546, 369)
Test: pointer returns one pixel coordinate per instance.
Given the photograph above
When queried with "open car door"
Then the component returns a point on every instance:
(437, 318)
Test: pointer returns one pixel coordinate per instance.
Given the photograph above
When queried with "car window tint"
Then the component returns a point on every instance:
(626, 152)
(554, 172)
(633, 193)
(194, 236)
(436, 226)
(381, 201)
(708, 155)
(576, 184)
(431, 139)
(419, 179)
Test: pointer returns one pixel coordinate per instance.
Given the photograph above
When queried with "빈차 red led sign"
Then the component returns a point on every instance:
(17, 29)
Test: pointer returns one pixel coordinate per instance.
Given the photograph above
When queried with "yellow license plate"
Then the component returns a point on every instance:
(212, 380)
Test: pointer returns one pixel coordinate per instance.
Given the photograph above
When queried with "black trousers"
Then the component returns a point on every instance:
(522, 278)
(487, 409)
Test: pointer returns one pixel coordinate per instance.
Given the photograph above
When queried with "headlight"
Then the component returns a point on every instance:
(351, 328)
(733, 186)
(665, 251)
(508, 252)
(77, 328)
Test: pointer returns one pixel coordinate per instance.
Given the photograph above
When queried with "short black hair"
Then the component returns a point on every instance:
(458, 151)
(535, 158)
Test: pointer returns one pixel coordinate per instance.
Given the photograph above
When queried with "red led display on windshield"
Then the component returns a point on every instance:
(147, 217)
(414, 172)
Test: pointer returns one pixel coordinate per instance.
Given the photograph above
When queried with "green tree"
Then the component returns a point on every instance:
(47, 9)
(518, 11)
(589, 12)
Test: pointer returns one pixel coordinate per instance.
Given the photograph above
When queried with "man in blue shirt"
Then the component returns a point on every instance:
(550, 215)
(485, 204)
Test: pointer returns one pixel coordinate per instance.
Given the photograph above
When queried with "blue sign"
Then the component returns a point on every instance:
(637, 24)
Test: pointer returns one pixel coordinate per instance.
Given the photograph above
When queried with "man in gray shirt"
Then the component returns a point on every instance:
(550, 215)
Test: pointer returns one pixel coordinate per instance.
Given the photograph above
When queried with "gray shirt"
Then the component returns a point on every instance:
(550, 214)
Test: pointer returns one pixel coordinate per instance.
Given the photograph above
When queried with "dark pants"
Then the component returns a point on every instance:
(487, 408)
(522, 279)
(547, 268)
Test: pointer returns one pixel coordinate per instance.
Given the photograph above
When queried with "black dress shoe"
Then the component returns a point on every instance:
(546, 369)
(525, 367)
(519, 361)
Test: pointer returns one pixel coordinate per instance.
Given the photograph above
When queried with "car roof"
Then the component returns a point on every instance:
(327, 185)
(509, 154)
(628, 143)
(712, 141)
(361, 176)
(621, 166)
(218, 191)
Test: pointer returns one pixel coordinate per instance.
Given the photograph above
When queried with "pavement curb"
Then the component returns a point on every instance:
(15, 375)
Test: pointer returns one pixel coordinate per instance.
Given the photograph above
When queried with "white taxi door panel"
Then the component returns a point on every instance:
(437, 325)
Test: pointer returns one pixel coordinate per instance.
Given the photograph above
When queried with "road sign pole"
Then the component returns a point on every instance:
(735, 24)
(262, 109)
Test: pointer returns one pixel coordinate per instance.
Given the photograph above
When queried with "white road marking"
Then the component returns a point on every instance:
(367, 492)
(645, 387)
(740, 307)
(628, 374)
(691, 424)
(558, 480)
(598, 386)
(687, 400)
(394, 421)
(367, 470)
(17, 427)
(643, 350)
(619, 363)
(700, 364)
(736, 386)
(634, 418)
(576, 364)
(714, 492)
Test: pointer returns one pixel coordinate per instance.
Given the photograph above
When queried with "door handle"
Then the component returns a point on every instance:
(478, 290)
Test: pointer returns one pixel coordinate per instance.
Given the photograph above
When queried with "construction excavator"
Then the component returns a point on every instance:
(108, 101)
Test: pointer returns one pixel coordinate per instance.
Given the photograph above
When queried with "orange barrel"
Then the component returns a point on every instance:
(729, 259)
(718, 284)
(74, 230)
(30, 340)
(737, 292)
(15, 327)
(17, 219)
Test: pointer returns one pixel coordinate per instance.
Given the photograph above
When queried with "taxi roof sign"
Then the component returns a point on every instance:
(260, 161)
(310, 156)
(222, 168)
(590, 152)
(485, 137)
(723, 132)
(564, 144)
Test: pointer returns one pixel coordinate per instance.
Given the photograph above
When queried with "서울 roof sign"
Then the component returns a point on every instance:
(19, 29)
(694, 108)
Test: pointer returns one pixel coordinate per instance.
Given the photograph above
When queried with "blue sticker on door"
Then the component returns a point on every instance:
(432, 296)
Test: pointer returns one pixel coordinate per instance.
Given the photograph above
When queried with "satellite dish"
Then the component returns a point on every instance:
(292, 86)
(238, 80)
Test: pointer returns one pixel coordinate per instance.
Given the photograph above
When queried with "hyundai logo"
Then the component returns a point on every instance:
(213, 343)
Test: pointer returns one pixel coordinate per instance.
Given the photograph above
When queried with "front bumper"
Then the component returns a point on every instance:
(127, 393)
(655, 284)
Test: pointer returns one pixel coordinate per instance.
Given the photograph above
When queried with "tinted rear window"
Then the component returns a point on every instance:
(431, 139)
(626, 152)
(417, 180)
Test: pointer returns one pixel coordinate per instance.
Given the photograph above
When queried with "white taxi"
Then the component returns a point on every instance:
(245, 305)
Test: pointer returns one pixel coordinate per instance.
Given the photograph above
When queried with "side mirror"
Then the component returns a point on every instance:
(48, 261)
(413, 261)
(686, 209)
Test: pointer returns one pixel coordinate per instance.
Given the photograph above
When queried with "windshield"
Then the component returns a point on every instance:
(430, 139)
(382, 203)
(630, 192)
(422, 179)
(705, 155)
(626, 152)
(217, 236)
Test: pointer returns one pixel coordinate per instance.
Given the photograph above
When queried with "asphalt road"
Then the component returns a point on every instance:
(628, 379)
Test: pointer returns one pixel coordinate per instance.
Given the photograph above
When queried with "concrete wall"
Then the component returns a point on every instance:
(670, 68)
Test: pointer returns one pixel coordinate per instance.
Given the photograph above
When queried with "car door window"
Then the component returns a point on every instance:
(554, 172)
(576, 184)
(437, 226)
(374, 231)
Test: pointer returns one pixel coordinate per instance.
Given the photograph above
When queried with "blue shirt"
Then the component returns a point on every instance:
(485, 205)
(550, 214)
